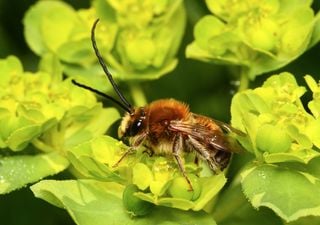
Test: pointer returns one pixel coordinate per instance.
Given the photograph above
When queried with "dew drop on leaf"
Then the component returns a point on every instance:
(262, 175)
(2, 179)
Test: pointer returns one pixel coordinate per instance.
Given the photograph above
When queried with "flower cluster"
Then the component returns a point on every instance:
(157, 179)
(42, 116)
(278, 126)
(134, 37)
(259, 36)
(34, 103)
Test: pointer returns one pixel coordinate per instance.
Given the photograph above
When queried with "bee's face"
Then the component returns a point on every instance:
(132, 124)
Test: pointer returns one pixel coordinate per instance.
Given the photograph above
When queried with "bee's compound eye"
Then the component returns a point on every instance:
(136, 127)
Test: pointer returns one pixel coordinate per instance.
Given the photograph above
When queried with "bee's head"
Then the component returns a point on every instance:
(132, 123)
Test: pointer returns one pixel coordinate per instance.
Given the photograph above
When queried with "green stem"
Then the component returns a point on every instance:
(195, 10)
(229, 202)
(244, 80)
(137, 94)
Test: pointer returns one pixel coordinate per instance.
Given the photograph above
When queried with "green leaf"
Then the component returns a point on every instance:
(21, 137)
(9, 68)
(50, 64)
(292, 44)
(134, 205)
(314, 167)
(313, 132)
(18, 171)
(57, 25)
(105, 10)
(89, 124)
(77, 52)
(314, 105)
(303, 156)
(210, 188)
(95, 158)
(83, 75)
(232, 208)
(93, 202)
(141, 176)
(207, 28)
(47, 25)
(148, 74)
(316, 32)
(309, 220)
(33, 24)
(289, 193)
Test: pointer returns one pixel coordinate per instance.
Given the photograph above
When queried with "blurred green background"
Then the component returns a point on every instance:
(205, 87)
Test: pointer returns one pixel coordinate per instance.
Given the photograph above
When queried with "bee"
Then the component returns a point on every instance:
(167, 127)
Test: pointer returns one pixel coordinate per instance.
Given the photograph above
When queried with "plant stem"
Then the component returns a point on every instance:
(195, 11)
(229, 202)
(137, 94)
(244, 80)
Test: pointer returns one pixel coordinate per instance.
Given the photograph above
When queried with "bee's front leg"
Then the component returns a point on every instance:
(132, 148)
(149, 151)
(176, 151)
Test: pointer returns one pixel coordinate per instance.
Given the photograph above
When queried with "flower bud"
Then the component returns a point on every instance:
(272, 139)
(181, 189)
(134, 205)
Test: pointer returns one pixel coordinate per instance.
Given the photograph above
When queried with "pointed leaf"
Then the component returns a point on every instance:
(289, 193)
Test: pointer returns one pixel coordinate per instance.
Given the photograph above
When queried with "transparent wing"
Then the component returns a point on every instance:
(229, 129)
(208, 136)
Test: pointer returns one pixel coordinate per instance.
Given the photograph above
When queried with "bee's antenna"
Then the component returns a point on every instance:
(103, 95)
(105, 69)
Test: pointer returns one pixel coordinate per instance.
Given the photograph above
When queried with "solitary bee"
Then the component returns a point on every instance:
(167, 127)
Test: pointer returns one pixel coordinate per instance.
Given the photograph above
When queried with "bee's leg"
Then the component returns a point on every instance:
(196, 160)
(208, 155)
(177, 146)
(128, 152)
(148, 151)
(132, 149)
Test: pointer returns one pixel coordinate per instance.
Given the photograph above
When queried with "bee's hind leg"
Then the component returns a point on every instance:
(208, 155)
(176, 149)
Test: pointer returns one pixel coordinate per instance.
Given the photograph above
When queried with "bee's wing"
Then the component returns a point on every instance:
(213, 137)
(229, 129)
